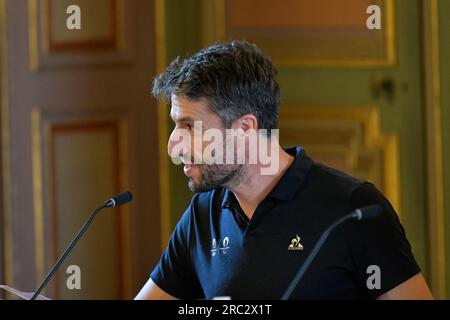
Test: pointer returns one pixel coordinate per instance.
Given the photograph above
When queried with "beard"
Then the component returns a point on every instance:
(214, 175)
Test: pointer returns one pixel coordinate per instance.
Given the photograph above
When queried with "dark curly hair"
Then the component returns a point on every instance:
(235, 77)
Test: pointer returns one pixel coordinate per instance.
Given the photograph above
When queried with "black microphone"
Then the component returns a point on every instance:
(119, 199)
(363, 213)
(115, 201)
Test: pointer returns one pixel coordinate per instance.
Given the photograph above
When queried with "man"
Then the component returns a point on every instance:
(245, 234)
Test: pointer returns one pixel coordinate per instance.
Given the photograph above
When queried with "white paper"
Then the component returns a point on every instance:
(22, 295)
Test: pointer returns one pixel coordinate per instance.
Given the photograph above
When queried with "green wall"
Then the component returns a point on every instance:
(402, 115)
(183, 25)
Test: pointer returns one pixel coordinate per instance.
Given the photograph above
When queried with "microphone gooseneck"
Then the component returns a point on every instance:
(117, 200)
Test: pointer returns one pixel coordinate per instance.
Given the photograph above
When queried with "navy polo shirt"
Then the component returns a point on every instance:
(215, 250)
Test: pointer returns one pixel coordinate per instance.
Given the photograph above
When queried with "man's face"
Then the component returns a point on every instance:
(202, 177)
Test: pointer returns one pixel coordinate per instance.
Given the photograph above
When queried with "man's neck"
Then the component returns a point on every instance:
(255, 187)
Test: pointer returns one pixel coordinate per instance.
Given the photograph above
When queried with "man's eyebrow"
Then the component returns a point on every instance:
(183, 119)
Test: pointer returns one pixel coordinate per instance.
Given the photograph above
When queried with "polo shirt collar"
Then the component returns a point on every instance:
(294, 176)
(290, 182)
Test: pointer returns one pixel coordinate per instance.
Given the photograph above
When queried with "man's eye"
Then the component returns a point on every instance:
(189, 126)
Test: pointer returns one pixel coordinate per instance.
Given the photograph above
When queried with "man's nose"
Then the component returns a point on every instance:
(170, 144)
(175, 139)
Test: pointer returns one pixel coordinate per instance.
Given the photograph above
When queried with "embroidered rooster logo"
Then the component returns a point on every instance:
(295, 244)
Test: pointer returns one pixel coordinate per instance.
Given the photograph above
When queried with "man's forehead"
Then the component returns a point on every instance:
(183, 108)
(186, 102)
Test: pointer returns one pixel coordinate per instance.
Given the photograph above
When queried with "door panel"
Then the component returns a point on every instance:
(82, 127)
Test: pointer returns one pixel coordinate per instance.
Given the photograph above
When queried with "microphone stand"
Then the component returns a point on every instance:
(67, 251)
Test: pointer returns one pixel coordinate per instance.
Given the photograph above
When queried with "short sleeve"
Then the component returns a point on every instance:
(174, 272)
(379, 246)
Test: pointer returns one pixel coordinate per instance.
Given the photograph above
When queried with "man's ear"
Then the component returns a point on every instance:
(246, 122)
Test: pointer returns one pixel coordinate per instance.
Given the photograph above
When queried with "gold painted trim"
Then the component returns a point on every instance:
(125, 227)
(39, 241)
(391, 47)
(6, 165)
(120, 25)
(119, 127)
(109, 43)
(162, 118)
(38, 41)
(38, 127)
(434, 156)
(33, 26)
(215, 31)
